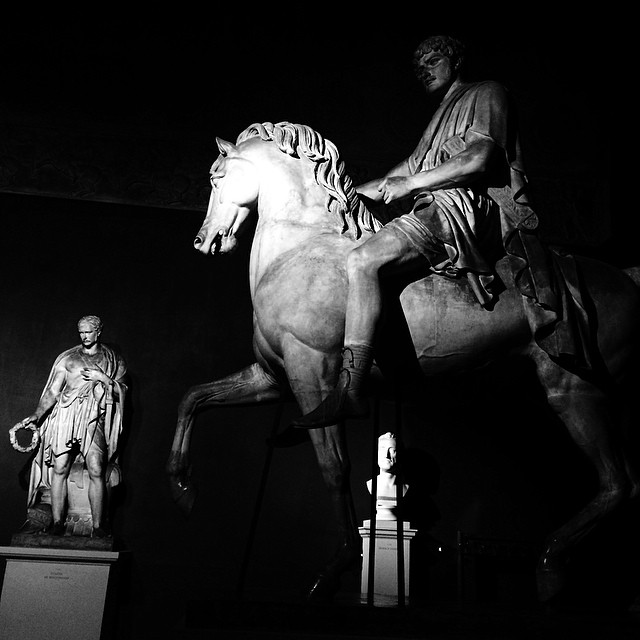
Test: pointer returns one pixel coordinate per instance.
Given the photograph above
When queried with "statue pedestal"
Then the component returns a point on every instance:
(385, 581)
(55, 593)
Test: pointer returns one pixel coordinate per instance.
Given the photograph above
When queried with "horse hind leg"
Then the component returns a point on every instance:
(585, 411)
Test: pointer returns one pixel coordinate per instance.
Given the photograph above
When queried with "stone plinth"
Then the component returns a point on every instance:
(385, 582)
(51, 594)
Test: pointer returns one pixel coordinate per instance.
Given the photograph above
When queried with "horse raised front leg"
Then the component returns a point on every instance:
(252, 385)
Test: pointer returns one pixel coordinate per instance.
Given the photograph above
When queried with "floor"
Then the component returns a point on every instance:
(224, 620)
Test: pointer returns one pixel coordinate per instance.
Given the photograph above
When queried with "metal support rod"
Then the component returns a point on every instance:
(258, 506)
(399, 498)
(372, 507)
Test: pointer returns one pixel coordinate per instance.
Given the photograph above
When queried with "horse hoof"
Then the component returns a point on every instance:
(183, 494)
(324, 589)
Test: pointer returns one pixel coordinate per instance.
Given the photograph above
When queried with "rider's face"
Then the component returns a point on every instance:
(436, 72)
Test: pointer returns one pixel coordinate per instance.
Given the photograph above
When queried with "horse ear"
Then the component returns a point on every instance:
(225, 147)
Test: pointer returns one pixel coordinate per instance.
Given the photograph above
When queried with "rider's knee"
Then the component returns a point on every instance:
(362, 259)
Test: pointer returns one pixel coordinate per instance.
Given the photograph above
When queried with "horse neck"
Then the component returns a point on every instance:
(292, 210)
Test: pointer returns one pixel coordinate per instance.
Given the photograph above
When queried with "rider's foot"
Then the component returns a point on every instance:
(99, 532)
(342, 403)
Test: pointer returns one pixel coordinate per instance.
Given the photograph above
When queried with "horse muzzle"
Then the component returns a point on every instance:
(223, 242)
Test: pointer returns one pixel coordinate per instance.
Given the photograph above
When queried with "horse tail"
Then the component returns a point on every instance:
(634, 274)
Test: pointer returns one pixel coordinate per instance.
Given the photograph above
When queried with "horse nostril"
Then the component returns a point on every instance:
(198, 241)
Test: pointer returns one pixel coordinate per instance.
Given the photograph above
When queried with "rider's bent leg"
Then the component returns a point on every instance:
(364, 308)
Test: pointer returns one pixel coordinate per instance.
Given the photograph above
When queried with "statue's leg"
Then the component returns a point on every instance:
(585, 411)
(61, 468)
(95, 460)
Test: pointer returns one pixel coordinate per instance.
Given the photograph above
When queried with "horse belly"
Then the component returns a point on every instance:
(452, 332)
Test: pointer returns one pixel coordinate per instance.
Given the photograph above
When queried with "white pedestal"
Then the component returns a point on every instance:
(51, 594)
(385, 580)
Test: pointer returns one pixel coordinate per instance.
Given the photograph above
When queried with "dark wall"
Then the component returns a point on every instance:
(127, 110)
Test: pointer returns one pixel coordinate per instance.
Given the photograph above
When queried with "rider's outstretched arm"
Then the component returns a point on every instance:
(370, 188)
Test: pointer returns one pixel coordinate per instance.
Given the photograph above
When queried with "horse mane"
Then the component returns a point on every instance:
(329, 172)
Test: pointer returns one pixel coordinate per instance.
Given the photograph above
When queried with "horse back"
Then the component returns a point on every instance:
(452, 331)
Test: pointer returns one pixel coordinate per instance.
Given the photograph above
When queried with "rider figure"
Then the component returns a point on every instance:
(455, 184)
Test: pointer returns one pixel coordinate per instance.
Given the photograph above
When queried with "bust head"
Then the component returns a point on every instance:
(387, 452)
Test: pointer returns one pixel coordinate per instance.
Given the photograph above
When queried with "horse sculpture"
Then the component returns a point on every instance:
(309, 218)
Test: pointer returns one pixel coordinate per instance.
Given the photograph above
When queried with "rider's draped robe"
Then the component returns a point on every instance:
(465, 229)
(85, 417)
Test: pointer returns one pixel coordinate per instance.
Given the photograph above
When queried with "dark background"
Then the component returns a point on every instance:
(108, 134)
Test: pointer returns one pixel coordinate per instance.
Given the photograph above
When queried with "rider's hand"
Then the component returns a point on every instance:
(394, 188)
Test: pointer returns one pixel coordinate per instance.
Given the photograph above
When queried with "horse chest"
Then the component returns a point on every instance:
(302, 295)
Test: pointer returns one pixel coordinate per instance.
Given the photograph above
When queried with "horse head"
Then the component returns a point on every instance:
(236, 183)
(234, 193)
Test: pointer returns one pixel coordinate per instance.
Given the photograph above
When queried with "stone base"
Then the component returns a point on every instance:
(42, 540)
(55, 594)
(385, 582)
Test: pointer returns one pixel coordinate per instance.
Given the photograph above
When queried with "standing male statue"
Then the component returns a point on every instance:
(463, 190)
(79, 419)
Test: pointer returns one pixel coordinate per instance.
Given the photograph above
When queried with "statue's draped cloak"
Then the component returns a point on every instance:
(548, 280)
(82, 417)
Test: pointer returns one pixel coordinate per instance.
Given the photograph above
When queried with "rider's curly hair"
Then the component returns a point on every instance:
(448, 46)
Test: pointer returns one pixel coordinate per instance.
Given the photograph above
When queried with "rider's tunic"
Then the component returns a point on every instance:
(465, 230)
(459, 232)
